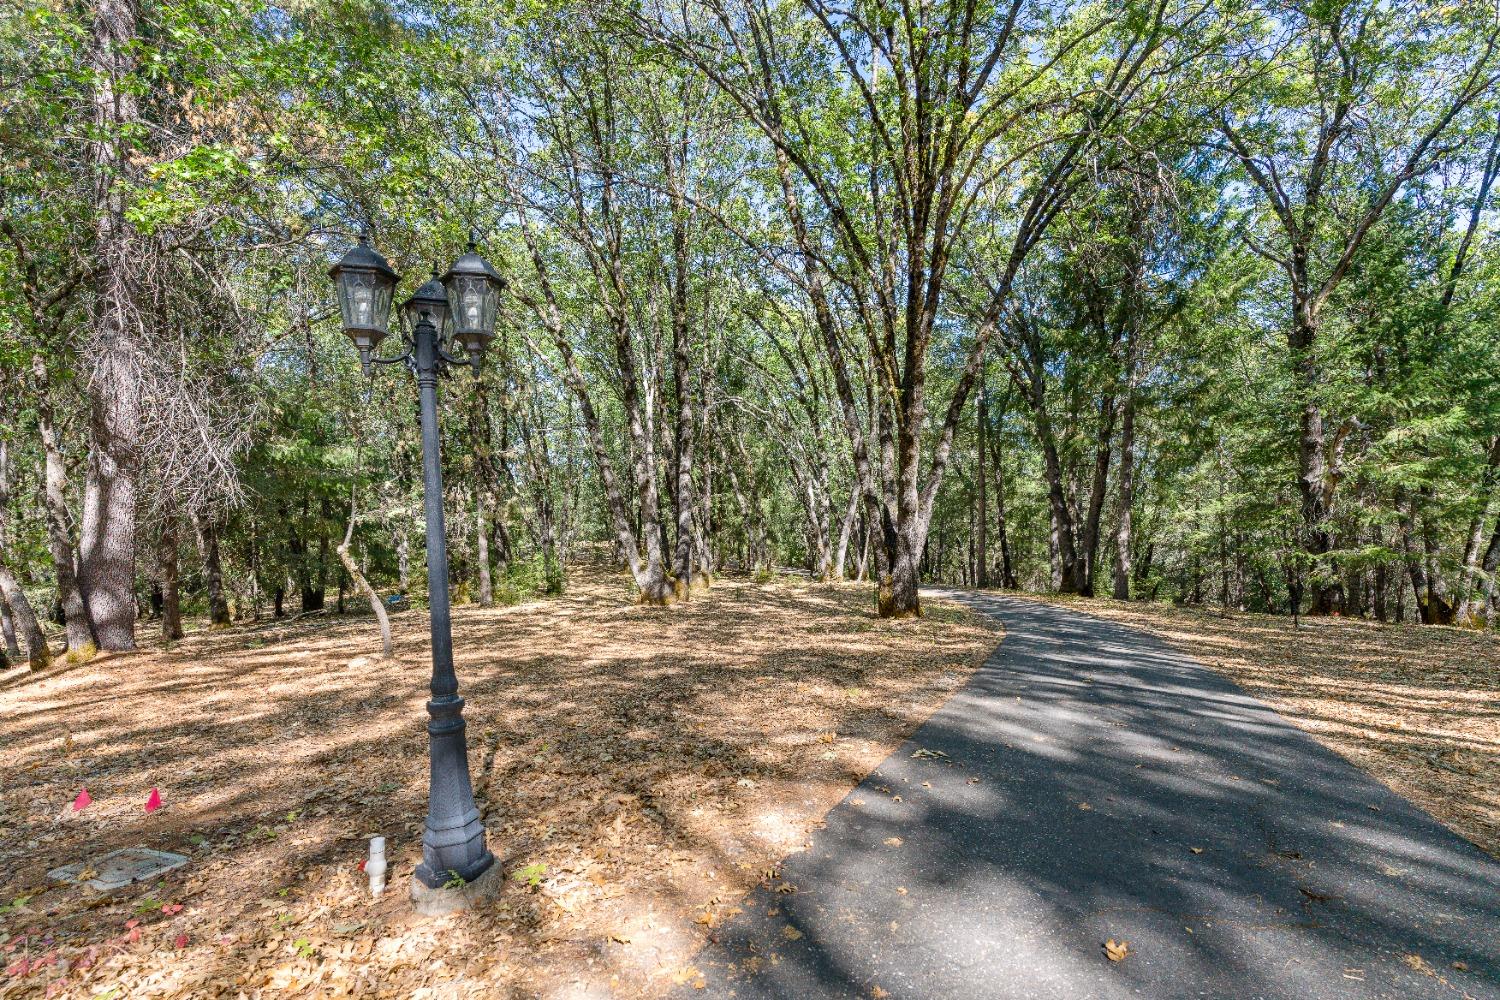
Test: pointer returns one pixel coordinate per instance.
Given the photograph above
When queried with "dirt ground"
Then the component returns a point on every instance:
(639, 770)
(1416, 706)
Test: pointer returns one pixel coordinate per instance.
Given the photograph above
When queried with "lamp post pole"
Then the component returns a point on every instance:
(453, 844)
(457, 866)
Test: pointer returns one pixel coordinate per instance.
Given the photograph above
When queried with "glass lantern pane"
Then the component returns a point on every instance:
(357, 298)
(380, 303)
(468, 304)
(491, 303)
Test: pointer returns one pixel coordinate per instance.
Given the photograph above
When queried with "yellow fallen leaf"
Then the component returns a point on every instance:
(1196, 850)
(1116, 950)
(893, 842)
(791, 933)
(878, 993)
(1084, 806)
(1418, 964)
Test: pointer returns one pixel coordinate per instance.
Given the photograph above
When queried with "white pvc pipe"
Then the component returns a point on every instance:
(375, 866)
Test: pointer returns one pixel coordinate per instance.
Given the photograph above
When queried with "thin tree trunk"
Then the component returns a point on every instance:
(403, 560)
(1127, 497)
(1088, 541)
(167, 566)
(8, 632)
(1002, 528)
(1471, 559)
(1054, 553)
(25, 620)
(76, 620)
(1428, 611)
(213, 569)
(981, 541)
(1489, 567)
(360, 583)
(1440, 607)
(482, 544)
(681, 372)
(1062, 542)
(38, 655)
(846, 531)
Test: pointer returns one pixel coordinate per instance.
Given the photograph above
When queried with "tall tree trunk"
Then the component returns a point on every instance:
(25, 620)
(8, 633)
(1465, 589)
(981, 541)
(38, 655)
(107, 548)
(681, 378)
(1314, 481)
(1438, 603)
(1088, 540)
(705, 527)
(76, 620)
(403, 560)
(1062, 541)
(167, 566)
(1489, 567)
(1126, 495)
(326, 508)
(482, 544)
(1382, 574)
(1002, 528)
(846, 531)
(213, 568)
(1416, 562)
(360, 583)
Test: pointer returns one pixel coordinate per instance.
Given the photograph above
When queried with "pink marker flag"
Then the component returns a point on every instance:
(82, 800)
(153, 802)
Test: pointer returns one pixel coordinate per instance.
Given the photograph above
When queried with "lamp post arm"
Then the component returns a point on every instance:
(458, 362)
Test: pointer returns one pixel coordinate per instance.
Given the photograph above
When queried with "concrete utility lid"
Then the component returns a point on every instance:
(120, 868)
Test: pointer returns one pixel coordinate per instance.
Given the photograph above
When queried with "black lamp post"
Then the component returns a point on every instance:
(456, 865)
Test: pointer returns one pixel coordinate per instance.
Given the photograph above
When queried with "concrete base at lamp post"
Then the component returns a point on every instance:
(430, 902)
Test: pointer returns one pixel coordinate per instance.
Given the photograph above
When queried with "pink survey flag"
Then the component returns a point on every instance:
(82, 800)
(153, 801)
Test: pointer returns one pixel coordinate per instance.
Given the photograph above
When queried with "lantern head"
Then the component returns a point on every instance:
(365, 283)
(430, 301)
(474, 289)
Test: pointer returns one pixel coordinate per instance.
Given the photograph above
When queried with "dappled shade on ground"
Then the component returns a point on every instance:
(642, 767)
(1416, 706)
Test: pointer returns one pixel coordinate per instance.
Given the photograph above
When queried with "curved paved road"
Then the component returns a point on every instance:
(1091, 784)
